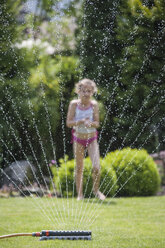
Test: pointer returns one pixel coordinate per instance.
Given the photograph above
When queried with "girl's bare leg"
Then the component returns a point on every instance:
(79, 156)
(93, 151)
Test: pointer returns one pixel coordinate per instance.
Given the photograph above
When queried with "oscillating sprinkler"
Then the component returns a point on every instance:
(52, 235)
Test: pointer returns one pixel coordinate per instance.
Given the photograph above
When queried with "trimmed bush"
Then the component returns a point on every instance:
(137, 173)
(64, 178)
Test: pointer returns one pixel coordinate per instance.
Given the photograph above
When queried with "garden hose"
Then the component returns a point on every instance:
(15, 235)
(52, 235)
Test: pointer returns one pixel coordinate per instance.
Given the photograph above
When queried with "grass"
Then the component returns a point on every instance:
(125, 222)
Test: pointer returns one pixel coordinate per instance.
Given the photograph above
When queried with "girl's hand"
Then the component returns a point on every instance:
(81, 122)
(87, 122)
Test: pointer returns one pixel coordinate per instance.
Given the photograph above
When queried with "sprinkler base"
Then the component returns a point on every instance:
(65, 238)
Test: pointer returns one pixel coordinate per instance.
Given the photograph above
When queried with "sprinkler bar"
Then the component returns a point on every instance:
(64, 235)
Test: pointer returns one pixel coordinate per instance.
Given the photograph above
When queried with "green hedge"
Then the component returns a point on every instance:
(137, 173)
(64, 178)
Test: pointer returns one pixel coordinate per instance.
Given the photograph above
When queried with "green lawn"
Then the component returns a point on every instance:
(125, 222)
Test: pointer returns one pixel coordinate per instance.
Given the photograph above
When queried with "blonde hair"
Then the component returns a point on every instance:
(83, 82)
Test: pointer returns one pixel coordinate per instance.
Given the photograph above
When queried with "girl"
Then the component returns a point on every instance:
(83, 117)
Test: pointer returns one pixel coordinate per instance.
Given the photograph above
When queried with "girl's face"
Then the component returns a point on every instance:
(86, 92)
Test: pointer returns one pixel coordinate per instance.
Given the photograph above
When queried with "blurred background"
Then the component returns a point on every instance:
(49, 45)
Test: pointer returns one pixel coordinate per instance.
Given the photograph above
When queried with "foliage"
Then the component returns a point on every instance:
(30, 111)
(12, 62)
(43, 10)
(137, 173)
(64, 178)
(99, 47)
(140, 32)
(123, 51)
(58, 76)
(74, 11)
(34, 85)
(49, 27)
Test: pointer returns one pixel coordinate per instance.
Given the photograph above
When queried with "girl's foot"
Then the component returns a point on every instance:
(100, 196)
(79, 198)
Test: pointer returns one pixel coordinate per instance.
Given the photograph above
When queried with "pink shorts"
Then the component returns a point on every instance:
(84, 142)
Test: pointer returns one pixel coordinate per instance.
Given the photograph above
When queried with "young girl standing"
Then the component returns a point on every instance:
(83, 117)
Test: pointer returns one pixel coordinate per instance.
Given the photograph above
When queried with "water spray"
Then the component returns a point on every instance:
(53, 235)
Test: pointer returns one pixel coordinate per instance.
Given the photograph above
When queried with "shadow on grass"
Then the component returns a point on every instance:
(97, 201)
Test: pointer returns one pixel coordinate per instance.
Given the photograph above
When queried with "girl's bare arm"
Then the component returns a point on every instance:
(95, 122)
(70, 122)
(96, 115)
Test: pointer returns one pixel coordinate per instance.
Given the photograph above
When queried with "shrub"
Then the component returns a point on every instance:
(64, 178)
(137, 173)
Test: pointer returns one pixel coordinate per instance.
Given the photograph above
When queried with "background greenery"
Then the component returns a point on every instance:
(126, 172)
(120, 45)
(64, 178)
(123, 50)
(137, 173)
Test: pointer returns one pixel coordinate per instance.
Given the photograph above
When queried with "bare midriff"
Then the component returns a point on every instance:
(85, 135)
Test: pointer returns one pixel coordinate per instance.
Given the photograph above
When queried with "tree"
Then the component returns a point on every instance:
(141, 33)
(99, 47)
(33, 90)
(11, 57)
(33, 112)
(123, 51)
